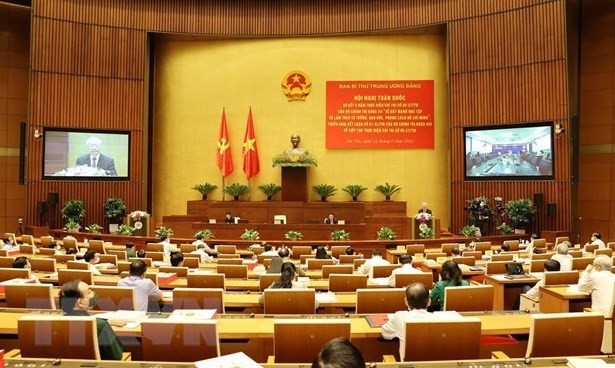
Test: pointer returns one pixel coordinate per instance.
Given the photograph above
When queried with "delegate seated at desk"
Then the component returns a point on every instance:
(330, 220)
(534, 292)
(450, 276)
(598, 280)
(228, 218)
(287, 281)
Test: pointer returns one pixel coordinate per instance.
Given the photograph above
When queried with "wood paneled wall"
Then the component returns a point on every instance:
(507, 65)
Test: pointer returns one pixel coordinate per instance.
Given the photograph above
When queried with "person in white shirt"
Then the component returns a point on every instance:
(596, 239)
(206, 248)
(91, 257)
(269, 251)
(599, 281)
(144, 287)
(8, 244)
(167, 248)
(406, 267)
(562, 256)
(417, 301)
(533, 291)
(366, 268)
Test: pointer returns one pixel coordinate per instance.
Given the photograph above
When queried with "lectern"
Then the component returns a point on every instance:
(295, 183)
(140, 225)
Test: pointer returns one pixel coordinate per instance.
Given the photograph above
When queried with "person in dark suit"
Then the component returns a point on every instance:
(228, 218)
(424, 208)
(331, 220)
(95, 158)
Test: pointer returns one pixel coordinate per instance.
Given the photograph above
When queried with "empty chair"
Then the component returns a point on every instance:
(439, 339)
(63, 258)
(358, 262)
(576, 253)
(76, 265)
(229, 255)
(305, 257)
(155, 256)
(46, 251)
(342, 282)
(316, 264)
(39, 296)
(606, 251)
(482, 246)
(560, 239)
(349, 259)
(198, 298)
(6, 262)
(187, 248)
(435, 255)
(147, 261)
(179, 341)
(230, 261)
(590, 248)
(120, 254)
(561, 278)
(473, 253)
(581, 263)
(259, 258)
(447, 248)
(384, 270)
(338, 250)
(233, 271)
(65, 276)
(493, 268)
(473, 298)
(108, 258)
(26, 249)
(180, 271)
(543, 256)
(300, 340)
(405, 279)
(123, 266)
(331, 269)
(381, 300)
(413, 249)
(265, 280)
(97, 245)
(469, 260)
(43, 264)
(154, 247)
(289, 301)
(576, 334)
(69, 243)
(27, 239)
(226, 249)
(299, 250)
(204, 280)
(501, 257)
(192, 262)
(113, 298)
(14, 273)
(537, 265)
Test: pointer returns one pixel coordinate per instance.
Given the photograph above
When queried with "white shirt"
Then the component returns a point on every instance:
(144, 288)
(396, 326)
(205, 248)
(599, 243)
(600, 285)
(167, 248)
(404, 269)
(565, 261)
(271, 252)
(534, 292)
(366, 268)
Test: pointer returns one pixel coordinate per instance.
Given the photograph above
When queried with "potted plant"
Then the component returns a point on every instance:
(94, 228)
(521, 213)
(74, 210)
(470, 231)
(205, 189)
(236, 190)
(250, 234)
(340, 235)
(115, 210)
(293, 235)
(386, 233)
(124, 230)
(354, 190)
(72, 226)
(206, 234)
(504, 229)
(324, 191)
(162, 232)
(269, 190)
(426, 231)
(387, 190)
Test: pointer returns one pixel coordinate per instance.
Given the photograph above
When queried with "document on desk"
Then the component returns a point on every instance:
(574, 288)
(132, 318)
(325, 297)
(587, 363)
(192, 314)
(448, 315)
(236, 360)
(167, 294)
(377, 320)
(380, 281)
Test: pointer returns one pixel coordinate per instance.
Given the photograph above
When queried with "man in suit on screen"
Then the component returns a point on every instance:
(95, 158)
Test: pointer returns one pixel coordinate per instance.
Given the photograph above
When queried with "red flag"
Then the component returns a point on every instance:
(250, 152)
(223, 153)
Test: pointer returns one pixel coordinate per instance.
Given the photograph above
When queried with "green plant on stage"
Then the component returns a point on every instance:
(162, 232)
(94, 228)
(72, 226)
(426, 231)
(324, 191)
(505, 229)
(269, 189)
(521, 212)
(387, 190)
(340, 235)
(236, 190)
(250, 234)
(469, 231)
(115, 210)
(386, 233)
(205, 189)
(206, 234)
(354, 190)
(125, 230)
(293, 235)
(74, 210)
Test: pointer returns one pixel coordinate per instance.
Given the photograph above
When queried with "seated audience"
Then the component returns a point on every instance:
(8, 244)
(144, 287)
(76, 299)
(228, 218)
(141, 254)
(562, 256)
(200, 244)
(450, 276)
(417, 301)
(504, 248)
(21, 262)
(366, 267)
(456, 252)
(177, 259)
(167, 247)
(92, 258)
(331, 220)
(350, 251)
(287, 279)
(598, 280)
(533, 291)
(321, 253)
(596, 239)
(282, 257)
(406, 267)
(268, 250)
(205, 256)
(339, 353)
(131, 251)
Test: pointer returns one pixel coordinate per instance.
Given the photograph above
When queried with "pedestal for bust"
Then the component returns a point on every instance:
(295, 183)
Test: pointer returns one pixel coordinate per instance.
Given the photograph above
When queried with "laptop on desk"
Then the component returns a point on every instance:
(515, 270)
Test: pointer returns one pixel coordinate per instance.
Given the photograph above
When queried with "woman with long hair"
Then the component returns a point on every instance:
(321, 253)
(450, 276)
(287, 276)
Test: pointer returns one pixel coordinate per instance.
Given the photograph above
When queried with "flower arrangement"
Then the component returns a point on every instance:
(505, 229)
(94, 228)
(294, 159)
(72, 226)
(386, 233)
(293, 235)
(521, 212)
(250, 234)
(426, 231)
(82, 170)
(136, 215)
(423, 217)
(469, 231)
(124, 230)
(206, 234)
(340, 235)
(162, 232)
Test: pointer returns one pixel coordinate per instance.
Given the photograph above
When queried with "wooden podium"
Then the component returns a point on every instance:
(433, 223)
(141, 226)
(295, 183)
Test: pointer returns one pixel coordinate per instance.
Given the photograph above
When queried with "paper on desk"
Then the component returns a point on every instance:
(574, 288)
(380, 281)
(447, 315)
(167, 294)
(236, 360)
(193, 314)
(159, 264)
(132, 318)
(325, 297)
(587, 363)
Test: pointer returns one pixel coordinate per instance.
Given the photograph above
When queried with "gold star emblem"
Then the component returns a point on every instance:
(249, 144)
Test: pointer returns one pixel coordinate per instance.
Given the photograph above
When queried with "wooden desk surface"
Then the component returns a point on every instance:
(565, 292)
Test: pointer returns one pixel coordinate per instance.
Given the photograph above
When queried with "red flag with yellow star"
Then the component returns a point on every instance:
(250, 154)
(223, 153)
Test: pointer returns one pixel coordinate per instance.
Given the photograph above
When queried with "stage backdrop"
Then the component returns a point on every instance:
(194, 79)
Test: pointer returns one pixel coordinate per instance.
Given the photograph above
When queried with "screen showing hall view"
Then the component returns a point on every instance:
(509, 152)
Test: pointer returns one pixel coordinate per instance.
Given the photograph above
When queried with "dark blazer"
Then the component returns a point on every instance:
(104, 162)
(328, 221)
(427, 210)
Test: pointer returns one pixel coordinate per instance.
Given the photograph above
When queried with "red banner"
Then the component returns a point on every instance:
(380, 114)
